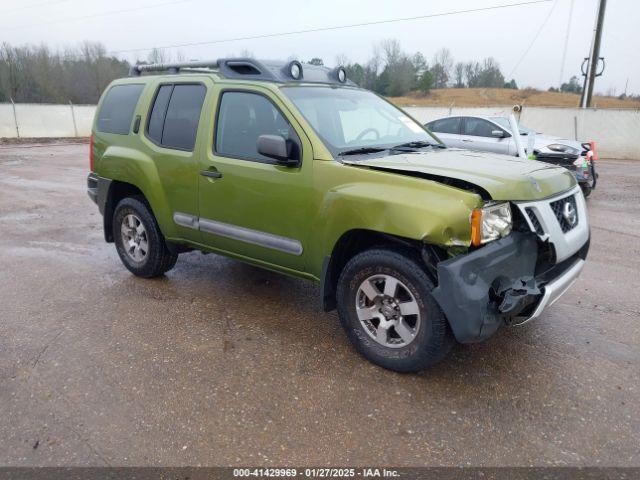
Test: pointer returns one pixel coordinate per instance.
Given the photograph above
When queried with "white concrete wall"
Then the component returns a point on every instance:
(42, 120)
(614, 131)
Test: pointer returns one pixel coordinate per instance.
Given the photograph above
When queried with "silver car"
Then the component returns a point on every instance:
(493, 134)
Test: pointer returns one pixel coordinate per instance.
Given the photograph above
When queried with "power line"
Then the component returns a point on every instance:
(338, 27)
(102, 14)
(35, 5)
(566, 43)
(555, 2)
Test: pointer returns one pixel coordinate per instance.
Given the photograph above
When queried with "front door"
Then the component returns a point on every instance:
(477, 135)
(249, 205)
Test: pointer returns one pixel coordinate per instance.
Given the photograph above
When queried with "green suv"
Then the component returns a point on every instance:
(294, 168)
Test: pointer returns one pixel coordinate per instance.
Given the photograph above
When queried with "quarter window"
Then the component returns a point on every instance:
(242, 118)
(116, 110)
(173, 122)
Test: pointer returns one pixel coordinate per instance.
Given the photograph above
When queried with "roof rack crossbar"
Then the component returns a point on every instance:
(136, 70)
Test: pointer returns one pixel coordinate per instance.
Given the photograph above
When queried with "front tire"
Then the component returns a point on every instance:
(139, 241)
(387, 310)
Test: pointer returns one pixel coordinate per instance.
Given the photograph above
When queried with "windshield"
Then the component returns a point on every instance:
(504, 123)
(347, 119)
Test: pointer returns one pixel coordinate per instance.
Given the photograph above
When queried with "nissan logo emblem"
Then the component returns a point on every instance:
(569, 213)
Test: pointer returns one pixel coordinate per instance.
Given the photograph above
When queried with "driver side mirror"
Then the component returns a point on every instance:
(276, 147)
(498, 133)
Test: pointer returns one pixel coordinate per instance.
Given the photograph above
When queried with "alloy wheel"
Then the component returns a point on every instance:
(388, 311)
(134, 238)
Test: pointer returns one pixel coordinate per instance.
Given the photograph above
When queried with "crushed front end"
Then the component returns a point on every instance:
(513, 279)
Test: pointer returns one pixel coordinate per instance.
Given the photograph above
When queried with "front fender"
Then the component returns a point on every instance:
(393, 204)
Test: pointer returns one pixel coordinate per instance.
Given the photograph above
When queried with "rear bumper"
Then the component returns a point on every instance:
(98, 190)
(499, 284)
(92, 187)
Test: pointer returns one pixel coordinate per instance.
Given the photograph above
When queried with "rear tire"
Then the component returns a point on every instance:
(586, 189)
(139, 241)
(407, 331)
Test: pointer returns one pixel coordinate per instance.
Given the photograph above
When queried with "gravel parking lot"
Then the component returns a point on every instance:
(220, 363)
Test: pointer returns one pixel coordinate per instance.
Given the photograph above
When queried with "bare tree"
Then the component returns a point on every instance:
(441, 69)
(157, 55)
(341, 59)
(37, 74)
(458, 75)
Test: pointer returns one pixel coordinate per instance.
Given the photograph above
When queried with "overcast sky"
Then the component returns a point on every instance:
(504, 34)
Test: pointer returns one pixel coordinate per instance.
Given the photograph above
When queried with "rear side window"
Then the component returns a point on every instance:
(116, 111)
(159, 110)
(173, 122)
(445, 125)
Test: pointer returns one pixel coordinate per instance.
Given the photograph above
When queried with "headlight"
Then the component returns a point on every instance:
(558, 147)
(490, 222)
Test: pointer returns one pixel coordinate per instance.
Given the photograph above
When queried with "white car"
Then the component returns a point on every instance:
(493, 134)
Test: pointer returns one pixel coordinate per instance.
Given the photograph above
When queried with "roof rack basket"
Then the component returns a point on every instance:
(249, 68)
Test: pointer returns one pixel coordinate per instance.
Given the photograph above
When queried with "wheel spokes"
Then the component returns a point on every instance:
(370, 290)
(382, 332)
(403, 330)
(367, 313)
(390, 286)
(409, 308)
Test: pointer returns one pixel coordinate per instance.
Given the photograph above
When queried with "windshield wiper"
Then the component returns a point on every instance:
(362, 151)
(410, 146)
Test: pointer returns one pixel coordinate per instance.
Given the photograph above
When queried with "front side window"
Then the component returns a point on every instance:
(116, 110)
(349, 118)
(478, 127)
(174, 117)
(242, 118)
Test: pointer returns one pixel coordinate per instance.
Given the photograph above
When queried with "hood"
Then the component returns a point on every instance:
(502, 176)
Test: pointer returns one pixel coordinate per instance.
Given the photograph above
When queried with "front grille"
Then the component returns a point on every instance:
(534, 221)
(566, 211)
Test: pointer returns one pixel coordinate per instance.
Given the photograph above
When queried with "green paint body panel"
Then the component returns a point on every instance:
(319, 201)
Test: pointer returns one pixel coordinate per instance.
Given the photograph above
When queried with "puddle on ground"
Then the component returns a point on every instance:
(11, 163)
(14, 181)
(19, 216)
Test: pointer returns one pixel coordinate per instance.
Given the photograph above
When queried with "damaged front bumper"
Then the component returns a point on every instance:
(501, 284)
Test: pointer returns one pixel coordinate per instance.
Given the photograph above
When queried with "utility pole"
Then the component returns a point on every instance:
(594, 55)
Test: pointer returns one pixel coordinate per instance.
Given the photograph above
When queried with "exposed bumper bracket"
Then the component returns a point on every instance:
(554, 290)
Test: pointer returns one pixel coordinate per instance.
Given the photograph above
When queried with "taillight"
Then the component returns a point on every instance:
(91, 152)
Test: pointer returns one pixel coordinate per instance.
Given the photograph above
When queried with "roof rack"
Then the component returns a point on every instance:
(249, 68)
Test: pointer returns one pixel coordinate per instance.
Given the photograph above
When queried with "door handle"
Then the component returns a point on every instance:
(211, 173)
(466, 140)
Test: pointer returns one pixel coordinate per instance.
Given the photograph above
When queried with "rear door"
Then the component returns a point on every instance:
(477, 135)
(447, 130)
(170, 133)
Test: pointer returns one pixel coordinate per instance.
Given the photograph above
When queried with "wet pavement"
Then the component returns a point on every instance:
(220, 363)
